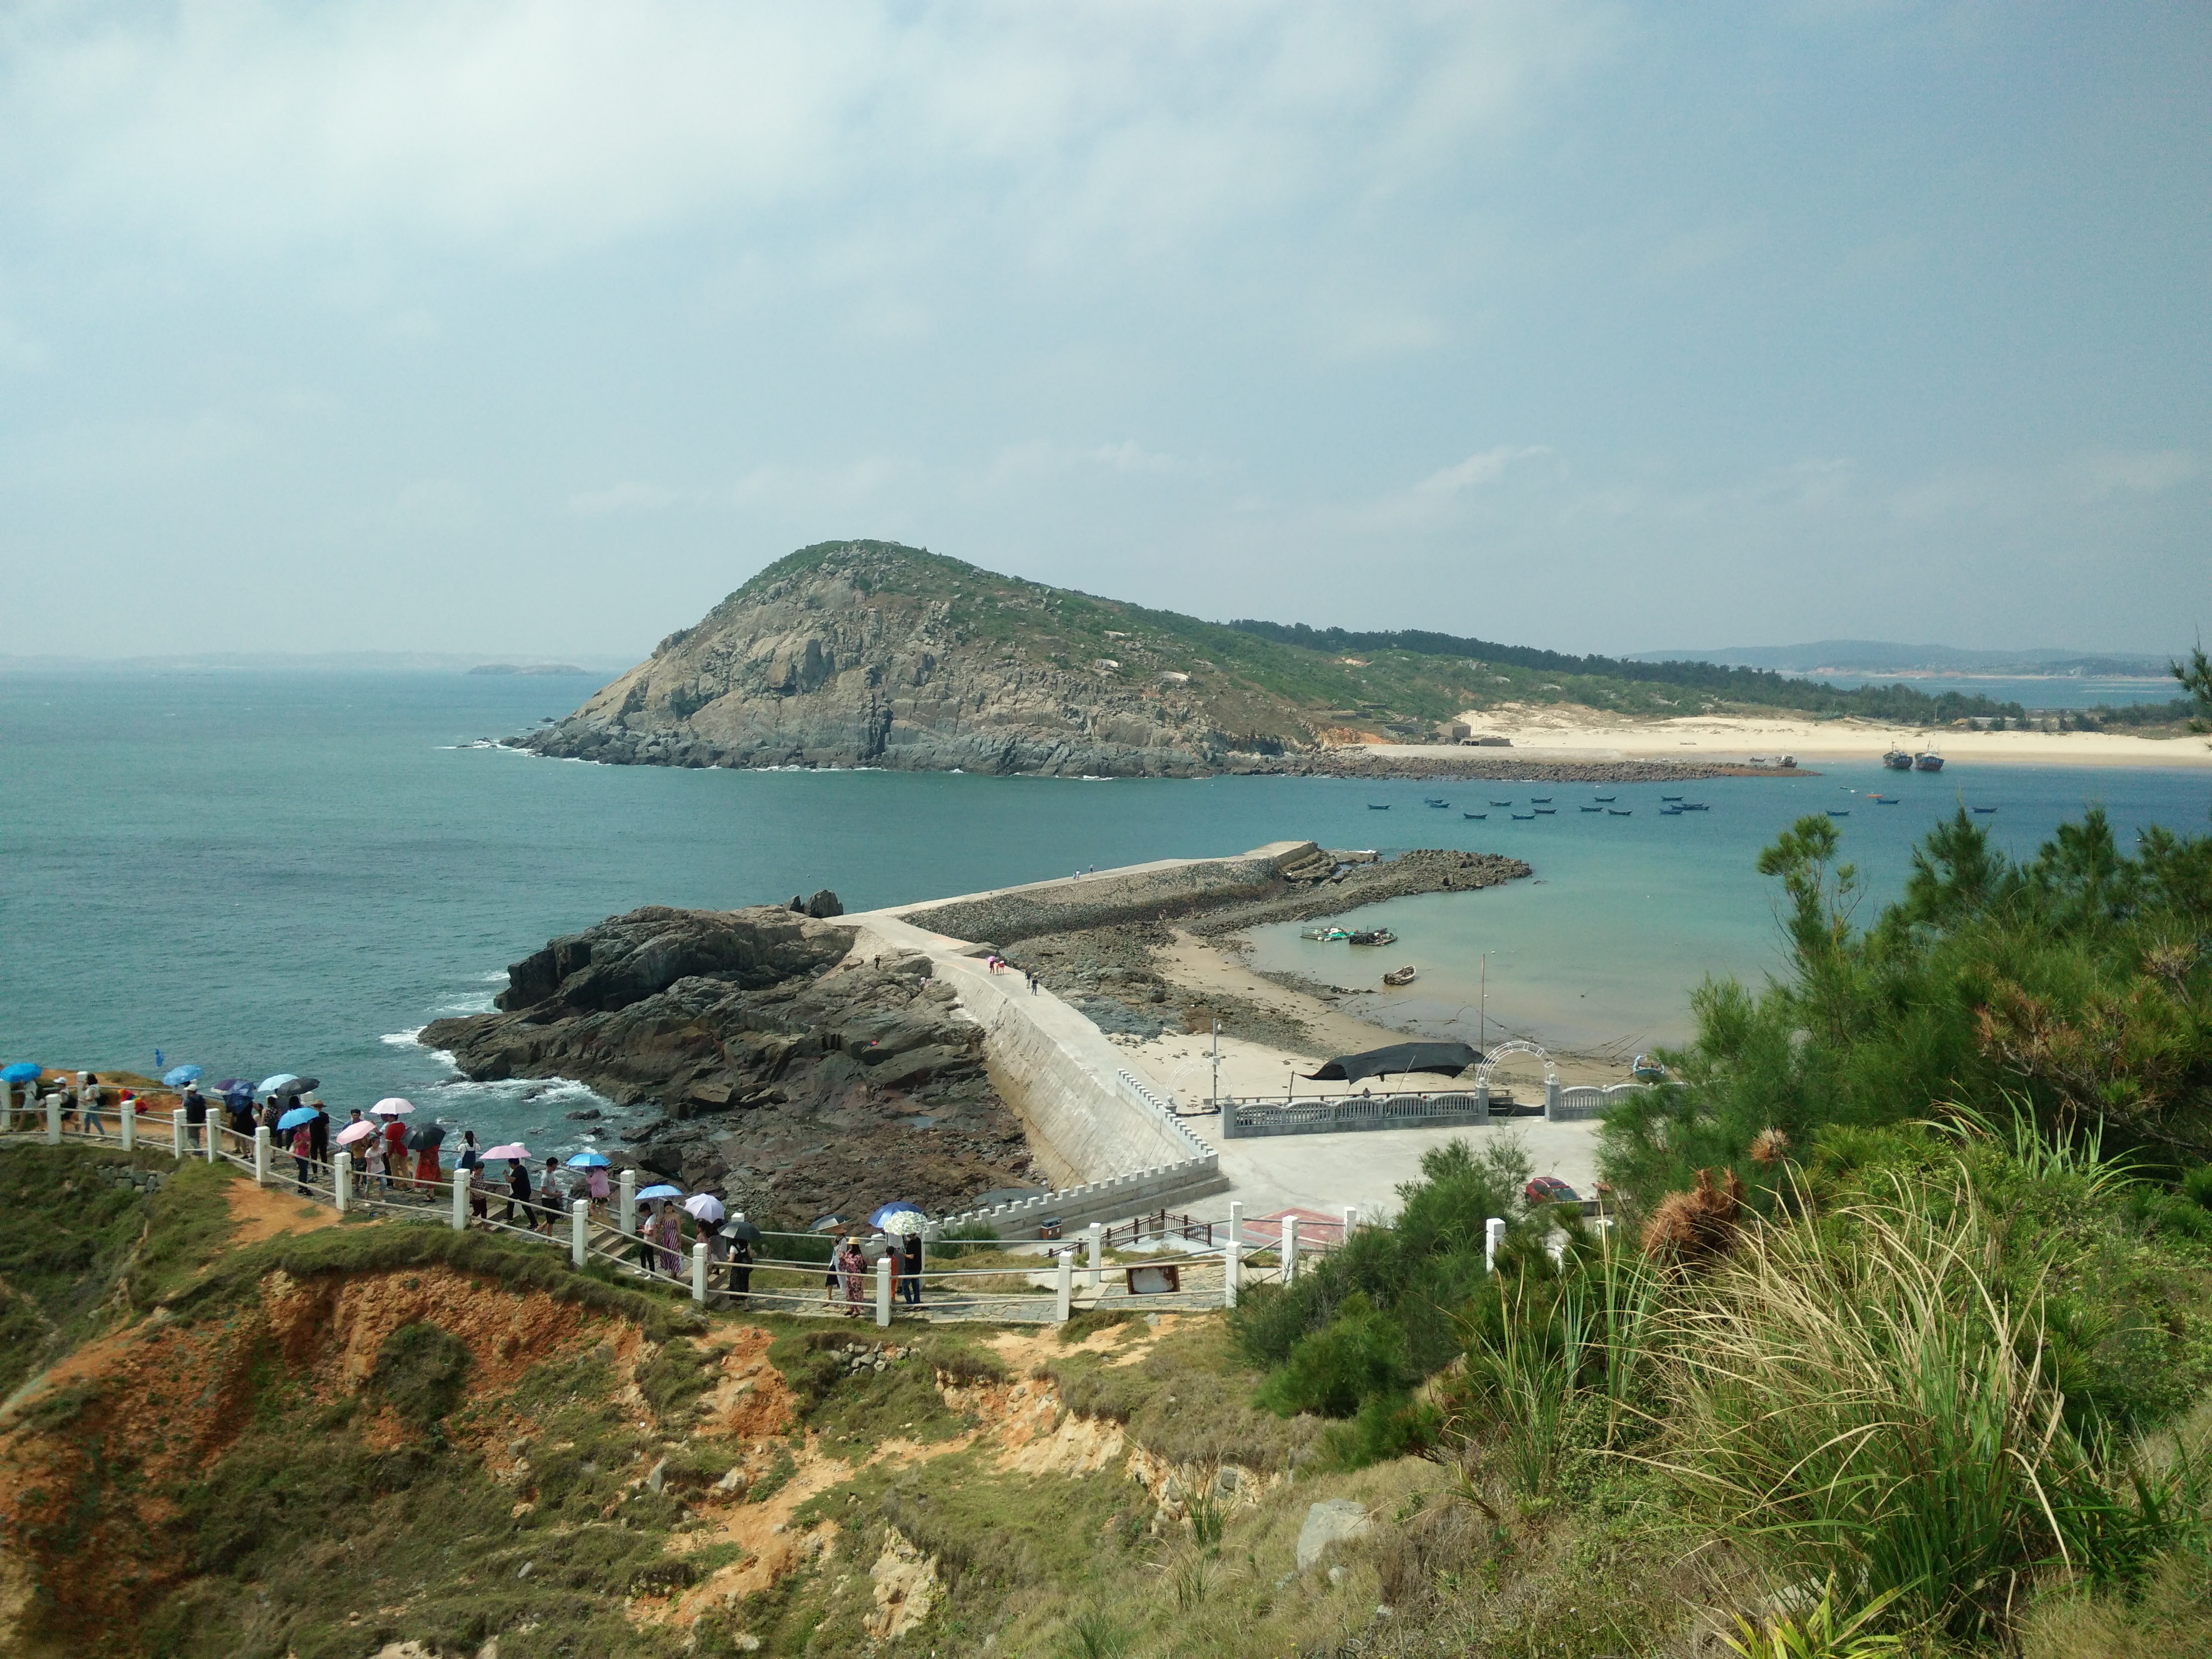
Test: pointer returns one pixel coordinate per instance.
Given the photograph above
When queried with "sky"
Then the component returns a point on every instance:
(538, 328)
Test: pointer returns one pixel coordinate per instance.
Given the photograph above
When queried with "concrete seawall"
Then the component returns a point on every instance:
(1111, 1148)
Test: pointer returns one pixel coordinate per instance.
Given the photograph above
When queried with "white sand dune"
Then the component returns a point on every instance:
(1572, 731)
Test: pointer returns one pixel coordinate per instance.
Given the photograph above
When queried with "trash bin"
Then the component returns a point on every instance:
(1048, 1227)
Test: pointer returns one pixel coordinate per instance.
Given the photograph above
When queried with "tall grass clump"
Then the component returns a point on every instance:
(1863, 1398)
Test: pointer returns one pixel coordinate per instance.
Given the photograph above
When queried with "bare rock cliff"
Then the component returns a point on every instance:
(868, 653)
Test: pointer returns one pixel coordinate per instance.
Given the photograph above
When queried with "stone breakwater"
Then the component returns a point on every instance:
(1218, 895)
(1091, 942)
(1497, 767)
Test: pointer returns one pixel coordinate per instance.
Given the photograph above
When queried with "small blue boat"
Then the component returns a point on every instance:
(1501, 802)
(1593, 809)
(1433, 801)
(1619, 811)
(1378, 806)
(1547, 812)
(1840, 811)
(1478, 817)
(1607, 798)
(1985, 809)
(1524, 818)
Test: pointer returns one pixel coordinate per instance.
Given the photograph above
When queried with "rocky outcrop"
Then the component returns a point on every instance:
(868, 653)
(792, 1081)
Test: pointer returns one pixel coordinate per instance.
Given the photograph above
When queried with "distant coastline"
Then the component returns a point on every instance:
(528, 668)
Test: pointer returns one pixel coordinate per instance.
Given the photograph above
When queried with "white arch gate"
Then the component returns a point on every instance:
(1518, 1046)
(1562, 1103)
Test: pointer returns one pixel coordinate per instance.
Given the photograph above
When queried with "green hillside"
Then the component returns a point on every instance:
(1401, 682)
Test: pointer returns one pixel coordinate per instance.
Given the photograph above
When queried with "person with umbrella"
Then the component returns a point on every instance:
(395, 1134)
(426, 1141)
(594, 1166)
(671, 1237)
(318, 1129)
(298, 1123)
(518, 1192)
(910, 1271)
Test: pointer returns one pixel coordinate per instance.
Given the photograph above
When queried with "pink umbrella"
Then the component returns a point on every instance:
(512, 1149)
(392, 1107)
(354, 1132)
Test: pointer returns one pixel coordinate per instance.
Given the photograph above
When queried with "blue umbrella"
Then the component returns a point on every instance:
(662, 1191)
(588, 1161)
(898, 1208)
(179, 1075)
(21, 1072)
(270, 1086)
(237, 1093)
(295, 1117)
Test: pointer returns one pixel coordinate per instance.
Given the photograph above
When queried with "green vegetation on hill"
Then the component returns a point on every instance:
(1281, 678)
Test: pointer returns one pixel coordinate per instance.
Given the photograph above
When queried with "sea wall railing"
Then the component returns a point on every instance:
(1257, 1116)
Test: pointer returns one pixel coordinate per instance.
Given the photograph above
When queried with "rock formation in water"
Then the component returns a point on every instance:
(795, 1082)
(867, 653)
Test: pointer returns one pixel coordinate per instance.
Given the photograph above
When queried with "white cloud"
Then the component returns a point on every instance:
(1484, 467)
(557, 124)
(2109, 471)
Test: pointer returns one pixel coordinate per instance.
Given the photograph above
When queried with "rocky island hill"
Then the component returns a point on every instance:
(870, 654)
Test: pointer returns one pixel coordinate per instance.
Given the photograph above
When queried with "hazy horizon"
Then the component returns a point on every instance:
(502, 329)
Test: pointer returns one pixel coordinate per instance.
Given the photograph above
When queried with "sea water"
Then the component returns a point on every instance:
(264, 872)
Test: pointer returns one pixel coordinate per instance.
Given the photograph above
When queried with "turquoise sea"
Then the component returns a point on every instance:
(296, 872)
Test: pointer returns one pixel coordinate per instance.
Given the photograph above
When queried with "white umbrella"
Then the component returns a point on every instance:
(706, 1206)
(904, 1221)
(392, 1106)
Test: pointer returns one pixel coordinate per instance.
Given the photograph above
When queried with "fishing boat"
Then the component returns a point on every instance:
(1644, 1069)
(1324, 935)
(1501, 802)
(1619, 811)
(1605, 798)
(1547, 812)
(1695, 807)
(1378, 806)
(1840, 811)
(1889, 800)
(1670, 798)
(1928, 761)
(1670, 811)
(1541, 801)
(1477, 816)
(1375, 936)
(1593, 809)
(1985, 809)
(1433, 801)
(1400, 976)
(1897, 760)
(1522, 818)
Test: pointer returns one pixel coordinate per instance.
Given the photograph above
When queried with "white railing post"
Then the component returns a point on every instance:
(207, 1133)
(625, 1213)
(53, 1119)
(126, 1123)
(1290, 1248)
(884, 1288)
(261, 1155)
(341, 1178)
(176, 1129)
(699, 1271)
(1493, 1234)
(580, 1230)
(461, 1179)
(1064, 1290)
(1350, 1221)
(1097, 1254)
(1232, 1257)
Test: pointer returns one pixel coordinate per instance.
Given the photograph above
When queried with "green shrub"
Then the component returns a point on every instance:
(1331, 1371)
(421, 1371)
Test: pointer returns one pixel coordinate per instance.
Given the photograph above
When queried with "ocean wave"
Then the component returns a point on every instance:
(476, 1005)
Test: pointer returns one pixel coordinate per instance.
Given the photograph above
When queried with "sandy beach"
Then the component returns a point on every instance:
(1573, 732)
